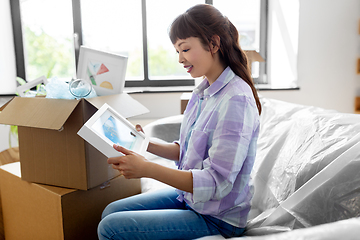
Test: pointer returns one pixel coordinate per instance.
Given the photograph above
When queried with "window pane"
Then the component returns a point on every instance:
(48, 42)
(115, 26)
(245, 15)
(163, 59)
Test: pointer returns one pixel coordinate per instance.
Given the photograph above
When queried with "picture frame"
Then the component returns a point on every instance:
(21, 90)
(105, 71)
(107, 127)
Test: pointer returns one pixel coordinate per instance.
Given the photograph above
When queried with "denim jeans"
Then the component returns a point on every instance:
(159, 215)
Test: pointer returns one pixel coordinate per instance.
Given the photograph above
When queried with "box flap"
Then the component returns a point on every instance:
(7, 101)
(123, 103)
(15, 169)
(38, 112)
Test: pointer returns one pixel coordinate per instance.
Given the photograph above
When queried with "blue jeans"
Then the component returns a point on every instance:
(159, 215)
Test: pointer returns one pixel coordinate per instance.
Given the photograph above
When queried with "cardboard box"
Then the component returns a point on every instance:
(7, 156)
(51, 152)
(357, 105)
(36, 211)
(254, 56)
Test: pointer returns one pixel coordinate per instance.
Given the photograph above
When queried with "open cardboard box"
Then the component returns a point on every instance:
(51, 152)
(37, 211)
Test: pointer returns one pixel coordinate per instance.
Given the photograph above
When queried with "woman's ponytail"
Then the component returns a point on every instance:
(237, 59)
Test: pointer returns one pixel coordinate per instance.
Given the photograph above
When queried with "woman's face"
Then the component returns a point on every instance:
(196, 60)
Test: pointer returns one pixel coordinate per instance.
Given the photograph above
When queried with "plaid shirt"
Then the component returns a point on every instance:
(218, 145)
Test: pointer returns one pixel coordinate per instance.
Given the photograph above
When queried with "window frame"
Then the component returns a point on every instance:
(146, 82)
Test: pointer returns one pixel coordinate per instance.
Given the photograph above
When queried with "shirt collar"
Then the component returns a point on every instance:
(204, 89)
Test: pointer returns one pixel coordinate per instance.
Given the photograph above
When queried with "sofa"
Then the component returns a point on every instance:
(306, 174)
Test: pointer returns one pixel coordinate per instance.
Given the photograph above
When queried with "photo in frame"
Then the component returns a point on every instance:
(107, 127)
(25, 89)
(105, 71)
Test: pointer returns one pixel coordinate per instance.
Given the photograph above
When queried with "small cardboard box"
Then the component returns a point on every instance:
(51, 152)
(357, 105)
(254, 56)
(36, 211)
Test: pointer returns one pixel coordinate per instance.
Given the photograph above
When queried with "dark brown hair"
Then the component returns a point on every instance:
(205, 21)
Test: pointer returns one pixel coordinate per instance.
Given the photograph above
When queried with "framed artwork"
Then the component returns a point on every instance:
(24, 90)
(105, 71)
(107, 127)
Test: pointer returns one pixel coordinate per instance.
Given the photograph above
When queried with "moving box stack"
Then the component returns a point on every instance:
(62, 184)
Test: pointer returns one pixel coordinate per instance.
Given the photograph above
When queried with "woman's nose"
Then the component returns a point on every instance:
(181, 58)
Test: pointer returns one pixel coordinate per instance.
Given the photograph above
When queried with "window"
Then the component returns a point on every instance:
(53, 30)
(47, 28)
(249, 17)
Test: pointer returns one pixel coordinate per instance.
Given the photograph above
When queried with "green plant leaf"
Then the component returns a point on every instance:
(13, 131)
(20, 80)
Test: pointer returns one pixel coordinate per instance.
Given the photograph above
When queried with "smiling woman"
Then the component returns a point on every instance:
(216, 149)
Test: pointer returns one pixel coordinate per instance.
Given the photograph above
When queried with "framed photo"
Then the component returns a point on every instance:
(22, 90)
(105, 71)
(107, 127)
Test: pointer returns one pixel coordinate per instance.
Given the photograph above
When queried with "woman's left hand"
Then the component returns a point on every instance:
(132, 165)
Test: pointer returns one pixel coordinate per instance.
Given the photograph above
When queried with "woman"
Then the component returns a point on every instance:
(216, 150)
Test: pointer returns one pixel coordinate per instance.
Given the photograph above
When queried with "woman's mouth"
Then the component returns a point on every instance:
(188, 68)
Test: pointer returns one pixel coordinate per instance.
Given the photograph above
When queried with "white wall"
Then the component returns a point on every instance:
(7, 52)
(4, 137)
(329, 45)
(7, 65)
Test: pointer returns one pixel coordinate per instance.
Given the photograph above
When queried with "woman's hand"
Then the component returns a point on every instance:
(132, 165)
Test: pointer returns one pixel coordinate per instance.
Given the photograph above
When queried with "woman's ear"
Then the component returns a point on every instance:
(215, 44)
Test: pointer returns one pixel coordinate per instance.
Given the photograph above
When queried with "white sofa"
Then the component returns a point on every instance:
(306, 173)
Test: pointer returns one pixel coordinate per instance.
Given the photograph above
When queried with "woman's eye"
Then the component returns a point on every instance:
(186, 50)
